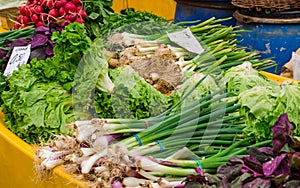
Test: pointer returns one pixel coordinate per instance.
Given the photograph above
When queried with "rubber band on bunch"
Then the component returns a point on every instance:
(138, 139)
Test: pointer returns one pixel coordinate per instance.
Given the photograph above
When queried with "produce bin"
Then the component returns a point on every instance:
(190, 10)
(17, 165)
(17, 160)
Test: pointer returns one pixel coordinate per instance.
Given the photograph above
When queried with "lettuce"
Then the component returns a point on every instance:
(133, 97)
(243, 77)
(36, 111)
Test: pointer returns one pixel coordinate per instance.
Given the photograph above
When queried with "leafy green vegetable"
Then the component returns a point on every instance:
(91, 75)
(257, 104)
(98, 12)
(70, 46)
(288, 102)
(243, 77)
(133, 97)
(262, 105)
(36, 111)
(38, 102)
(102, 22)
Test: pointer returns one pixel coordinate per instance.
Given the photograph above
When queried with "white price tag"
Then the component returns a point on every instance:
(187, 40)
(19, 56)
(296, 66)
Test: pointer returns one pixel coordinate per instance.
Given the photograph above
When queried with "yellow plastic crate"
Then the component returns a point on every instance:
(276, 78)
(17, 165)
(17, 160)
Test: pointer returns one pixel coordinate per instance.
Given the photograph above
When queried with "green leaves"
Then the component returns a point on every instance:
(70, 45)
(38, 111)
(133, 97)
(38, 103)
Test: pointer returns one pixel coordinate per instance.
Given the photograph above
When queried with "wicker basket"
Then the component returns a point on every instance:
(276, 5)
(8, 16)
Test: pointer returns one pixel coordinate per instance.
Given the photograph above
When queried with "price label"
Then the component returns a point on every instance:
(19, 56)
(187, 40)
(296, 66)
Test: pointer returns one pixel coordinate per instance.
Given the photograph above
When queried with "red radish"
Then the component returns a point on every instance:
(43, 16)
(43, 3)
(35, 18)
(79, 20)
(54, 13)
(63, 2)
(34, 2)
(71, 17)
(23, 11)
(39, 9)
(40, 23)
(82, 13)
(16, 26)
(62, 11)
(31, 10)
(50, 4)
(28, 12)
(77, 2)
(78, 8)
(58, 4)
(70, 7)
(26, 20)
(19, 19)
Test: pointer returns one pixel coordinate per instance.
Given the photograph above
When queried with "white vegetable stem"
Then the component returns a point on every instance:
(147, 164)
(87, 165)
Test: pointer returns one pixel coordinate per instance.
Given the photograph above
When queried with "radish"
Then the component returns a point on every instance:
(62, 11)
(19, 19)
(40, 23)
(34, 2)
(70, 7)
(16, 26)
(82, 14)
(43, 17)
(58, 4)
(71, 17)
(28, 12)
(31, 10)
(43, 3)
(79, 20)
(35, 18)
(39, 9)
(78, 8)
(23, 11)
(50, 4)
(26, 20)
(54, 13)
(64, 2)
(77, 2)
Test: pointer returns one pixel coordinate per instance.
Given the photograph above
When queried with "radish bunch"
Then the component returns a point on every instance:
(43, 12)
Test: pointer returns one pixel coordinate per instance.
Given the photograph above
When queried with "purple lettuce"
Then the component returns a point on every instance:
(281, 130)
(266, 167)
(270, 167)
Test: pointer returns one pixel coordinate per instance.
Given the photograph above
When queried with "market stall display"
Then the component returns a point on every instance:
(125, 100)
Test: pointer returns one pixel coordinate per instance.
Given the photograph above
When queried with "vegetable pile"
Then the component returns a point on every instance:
(118, 102)
(44, 12)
